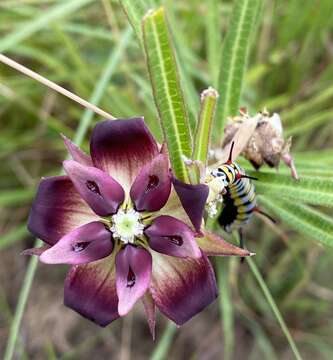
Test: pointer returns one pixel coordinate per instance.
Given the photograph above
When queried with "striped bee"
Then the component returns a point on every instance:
(230, 185)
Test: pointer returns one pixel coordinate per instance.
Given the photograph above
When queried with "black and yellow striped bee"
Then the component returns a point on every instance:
(230, 185)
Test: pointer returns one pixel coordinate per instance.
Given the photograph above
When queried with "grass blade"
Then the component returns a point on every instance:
(235, 53)
(13, 236)
(168, 94)
(273, 306)
(22, 300)
(59, 11)
(226, 307)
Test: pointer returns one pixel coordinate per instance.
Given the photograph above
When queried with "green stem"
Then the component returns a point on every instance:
(163, 346)
(27, 282)
(226, 307)
(113, 60)
(273, 306)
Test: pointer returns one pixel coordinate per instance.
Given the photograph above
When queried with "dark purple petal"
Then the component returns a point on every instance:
(91, 291)
(76, 153)
(181, 288)
(122, 147)
(213, 245)
(151, 188)
(99, 190)
(170, 236)
(133, 273)
(87, 243)
(57, 209)
(193, 199)
(150, 310)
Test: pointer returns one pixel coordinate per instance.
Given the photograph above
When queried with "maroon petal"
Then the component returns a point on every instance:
(57, 209)
(99, 190)
(133, 272)
(35, 251)
(181, 288)
(170, 236)
(151, 188)
(193, 199)
(213, 245)
(150, 310)
(122, 147)
(91, 291)
(76, 153)
(87, 243)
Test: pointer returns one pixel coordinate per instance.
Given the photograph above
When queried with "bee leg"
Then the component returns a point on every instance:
(241, 241)
(259, 211)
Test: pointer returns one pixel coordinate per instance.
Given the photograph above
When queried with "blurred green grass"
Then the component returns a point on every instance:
(290, 71)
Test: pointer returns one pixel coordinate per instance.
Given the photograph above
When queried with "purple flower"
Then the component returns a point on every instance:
(128, 228)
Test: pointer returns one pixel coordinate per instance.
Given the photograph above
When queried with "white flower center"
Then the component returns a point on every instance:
(126, 225)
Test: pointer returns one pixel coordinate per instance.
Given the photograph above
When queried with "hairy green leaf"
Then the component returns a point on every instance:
(312, 190)
(235, 53)
(168, 94)
(308, 221)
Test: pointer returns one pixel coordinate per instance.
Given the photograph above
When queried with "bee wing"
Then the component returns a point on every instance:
(240, 139)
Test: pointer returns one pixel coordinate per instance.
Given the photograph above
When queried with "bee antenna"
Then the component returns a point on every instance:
(230, 153)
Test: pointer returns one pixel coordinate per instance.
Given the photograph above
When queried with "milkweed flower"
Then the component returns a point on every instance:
(129, 229)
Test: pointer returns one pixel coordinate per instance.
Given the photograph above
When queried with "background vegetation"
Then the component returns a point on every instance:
(90, 48)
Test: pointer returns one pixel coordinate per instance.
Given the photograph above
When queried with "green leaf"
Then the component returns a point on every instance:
(308, 221)
(168, 94)
(204, 125)
(31, 27)
(312, 190)
(235, 53)
(135, 10)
